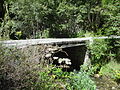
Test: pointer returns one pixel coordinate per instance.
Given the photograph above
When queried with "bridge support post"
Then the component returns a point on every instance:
(87, 61)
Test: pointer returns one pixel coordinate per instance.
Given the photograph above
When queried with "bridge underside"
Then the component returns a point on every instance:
(75, 53)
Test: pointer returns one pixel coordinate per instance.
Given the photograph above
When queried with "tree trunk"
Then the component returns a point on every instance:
(2, 12)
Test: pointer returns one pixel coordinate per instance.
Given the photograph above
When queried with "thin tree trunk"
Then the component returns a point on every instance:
(2, 11)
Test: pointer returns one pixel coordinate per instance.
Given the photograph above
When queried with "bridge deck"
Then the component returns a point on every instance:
(23, 43)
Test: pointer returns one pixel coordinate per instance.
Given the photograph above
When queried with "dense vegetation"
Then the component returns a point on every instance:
(26, 19)
(61, 18)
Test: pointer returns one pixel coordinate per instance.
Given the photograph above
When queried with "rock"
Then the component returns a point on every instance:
(47, 51)
(96, 75)
(60, 60)
(52, 52)
(113, 88)
(55, 58)
(68, 63)
(48, 55)
(52, 49)
(66, 60)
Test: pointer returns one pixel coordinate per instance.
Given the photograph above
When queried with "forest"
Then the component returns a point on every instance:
(37, 19)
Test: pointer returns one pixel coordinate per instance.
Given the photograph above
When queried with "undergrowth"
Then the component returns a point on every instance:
(112, 69)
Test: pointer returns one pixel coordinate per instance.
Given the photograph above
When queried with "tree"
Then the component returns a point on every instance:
(1, 10)
(61, 18)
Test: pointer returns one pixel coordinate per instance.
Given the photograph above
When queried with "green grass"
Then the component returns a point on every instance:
(111, 69)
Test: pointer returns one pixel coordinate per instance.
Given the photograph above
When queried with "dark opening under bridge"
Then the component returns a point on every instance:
(74, 47)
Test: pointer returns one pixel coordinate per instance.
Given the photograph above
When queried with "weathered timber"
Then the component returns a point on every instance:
(63, 41)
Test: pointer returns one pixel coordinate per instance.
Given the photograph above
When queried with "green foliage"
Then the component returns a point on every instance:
(64, 18)
(111, 18)
(81, 81)
(61, 18)
(31, 17)
(98, 50)
(105, 2)
(101, 53)
(56, 79)
(52, 78)
(112, 69)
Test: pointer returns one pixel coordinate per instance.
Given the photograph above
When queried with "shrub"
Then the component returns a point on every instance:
(52, 79)
(55, 78)
(112, 70)
(81, 81)
(16, 72)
